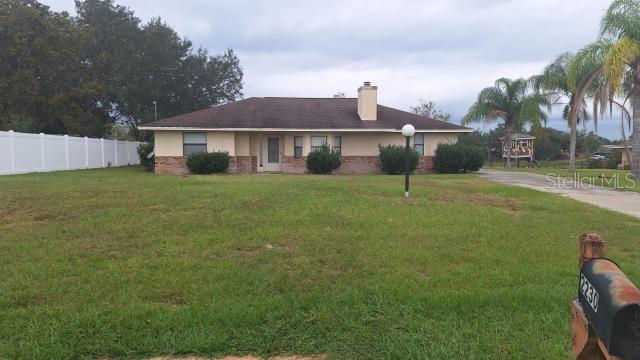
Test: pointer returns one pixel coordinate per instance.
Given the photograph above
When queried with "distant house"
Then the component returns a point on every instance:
(274, 134)
(611, 149)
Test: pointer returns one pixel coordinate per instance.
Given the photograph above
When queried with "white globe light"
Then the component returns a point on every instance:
(408, 130)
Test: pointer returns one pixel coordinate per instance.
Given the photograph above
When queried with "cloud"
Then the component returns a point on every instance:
(444, 50)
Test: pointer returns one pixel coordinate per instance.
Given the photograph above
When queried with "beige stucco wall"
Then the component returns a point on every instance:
(168, 143)
(221, 141)
(366, 144)
(242, 144)
(431, 141)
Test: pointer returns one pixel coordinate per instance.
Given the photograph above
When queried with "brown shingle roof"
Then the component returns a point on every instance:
(299, 113)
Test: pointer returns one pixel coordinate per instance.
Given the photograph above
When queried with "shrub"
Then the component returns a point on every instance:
(473, 158)
(455, 158)
(392, 159)
(323, 160)
(208, 162)
(144, 150)
(611, 162)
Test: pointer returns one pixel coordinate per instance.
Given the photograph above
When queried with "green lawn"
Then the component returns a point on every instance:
(620, 179)
(123, 263)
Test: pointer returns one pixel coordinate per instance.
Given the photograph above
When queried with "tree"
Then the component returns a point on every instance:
(44, 82)
(621, 25)
(80, 75)
(556, 83)
(138, 64)
(512, 102)
(339, 95)
(430, 110)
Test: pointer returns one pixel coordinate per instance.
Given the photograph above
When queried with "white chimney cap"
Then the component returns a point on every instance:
(408, 130)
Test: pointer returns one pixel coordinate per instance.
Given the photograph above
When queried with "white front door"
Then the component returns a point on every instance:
(272, 154)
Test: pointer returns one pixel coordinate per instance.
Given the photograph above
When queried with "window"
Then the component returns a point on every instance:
(297, 146)
(419, 144)
(317, 142)
(193, 142)
(337, 145)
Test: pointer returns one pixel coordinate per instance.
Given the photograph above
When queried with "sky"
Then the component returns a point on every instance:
(440, 50)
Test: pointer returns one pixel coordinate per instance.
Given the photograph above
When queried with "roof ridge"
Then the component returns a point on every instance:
(306, 98)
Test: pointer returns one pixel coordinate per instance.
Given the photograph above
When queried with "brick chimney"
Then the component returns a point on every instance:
(368, 102)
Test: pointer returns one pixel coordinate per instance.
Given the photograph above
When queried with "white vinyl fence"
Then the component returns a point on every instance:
(23, 153)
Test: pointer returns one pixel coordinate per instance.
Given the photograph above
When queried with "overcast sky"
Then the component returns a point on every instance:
(443, 50)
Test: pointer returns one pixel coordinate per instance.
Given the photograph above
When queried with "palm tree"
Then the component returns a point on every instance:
(621, 24)
(556, 83)
(512, 102)
(584, 78)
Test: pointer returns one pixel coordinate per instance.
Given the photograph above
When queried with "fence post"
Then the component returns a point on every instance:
(102, 150)
(44, 167)
(86, 152)
(115, 146)
(66, 150)
(128, 158)
(12, 151)
(591, 247)
(585, 341)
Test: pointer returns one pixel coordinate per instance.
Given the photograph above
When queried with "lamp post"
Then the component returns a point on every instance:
(155, 111)
(407, 131)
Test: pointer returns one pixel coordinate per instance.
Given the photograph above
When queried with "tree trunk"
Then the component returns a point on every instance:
(507, 137)
(573, 134)
(635, 141)
(625, 142)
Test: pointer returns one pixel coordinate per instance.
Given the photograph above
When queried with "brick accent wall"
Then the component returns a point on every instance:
(176, 165)
(425, 165)
(359, 165)
(293, 165)
(245, 164)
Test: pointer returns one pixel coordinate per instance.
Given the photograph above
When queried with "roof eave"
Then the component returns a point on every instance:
(185, 128)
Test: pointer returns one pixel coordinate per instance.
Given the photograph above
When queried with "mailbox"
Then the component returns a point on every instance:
(611, 302)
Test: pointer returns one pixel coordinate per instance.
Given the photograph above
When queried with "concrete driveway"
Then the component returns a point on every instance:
(626, 202)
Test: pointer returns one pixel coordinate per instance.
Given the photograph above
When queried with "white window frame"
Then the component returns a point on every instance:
(416, 143)
(296, 147)
(185, 143)
(324, 137)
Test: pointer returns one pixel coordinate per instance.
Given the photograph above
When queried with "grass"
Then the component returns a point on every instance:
(620, 179)
(122, 263)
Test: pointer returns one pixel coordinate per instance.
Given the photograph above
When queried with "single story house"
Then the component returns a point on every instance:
(609, 150)
(275, 134)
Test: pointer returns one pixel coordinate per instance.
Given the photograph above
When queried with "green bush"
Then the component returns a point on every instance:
(208, 162)
(144, 150)
(611, 162)
(455, 158)
(392, 159)
(473, 158)
(323, 160)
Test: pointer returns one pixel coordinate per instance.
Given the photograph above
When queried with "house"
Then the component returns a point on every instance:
(275, 134)
(617, 150)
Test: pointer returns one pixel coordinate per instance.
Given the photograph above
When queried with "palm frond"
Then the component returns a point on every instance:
(585, 61)
(622, 19)
(620, 56)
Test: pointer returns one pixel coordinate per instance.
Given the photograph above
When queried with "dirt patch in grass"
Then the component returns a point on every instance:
(172, 299)
(477, 198)
(246, 357)
(22, 301)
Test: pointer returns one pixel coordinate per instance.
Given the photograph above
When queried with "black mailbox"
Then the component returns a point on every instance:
(611, 302)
